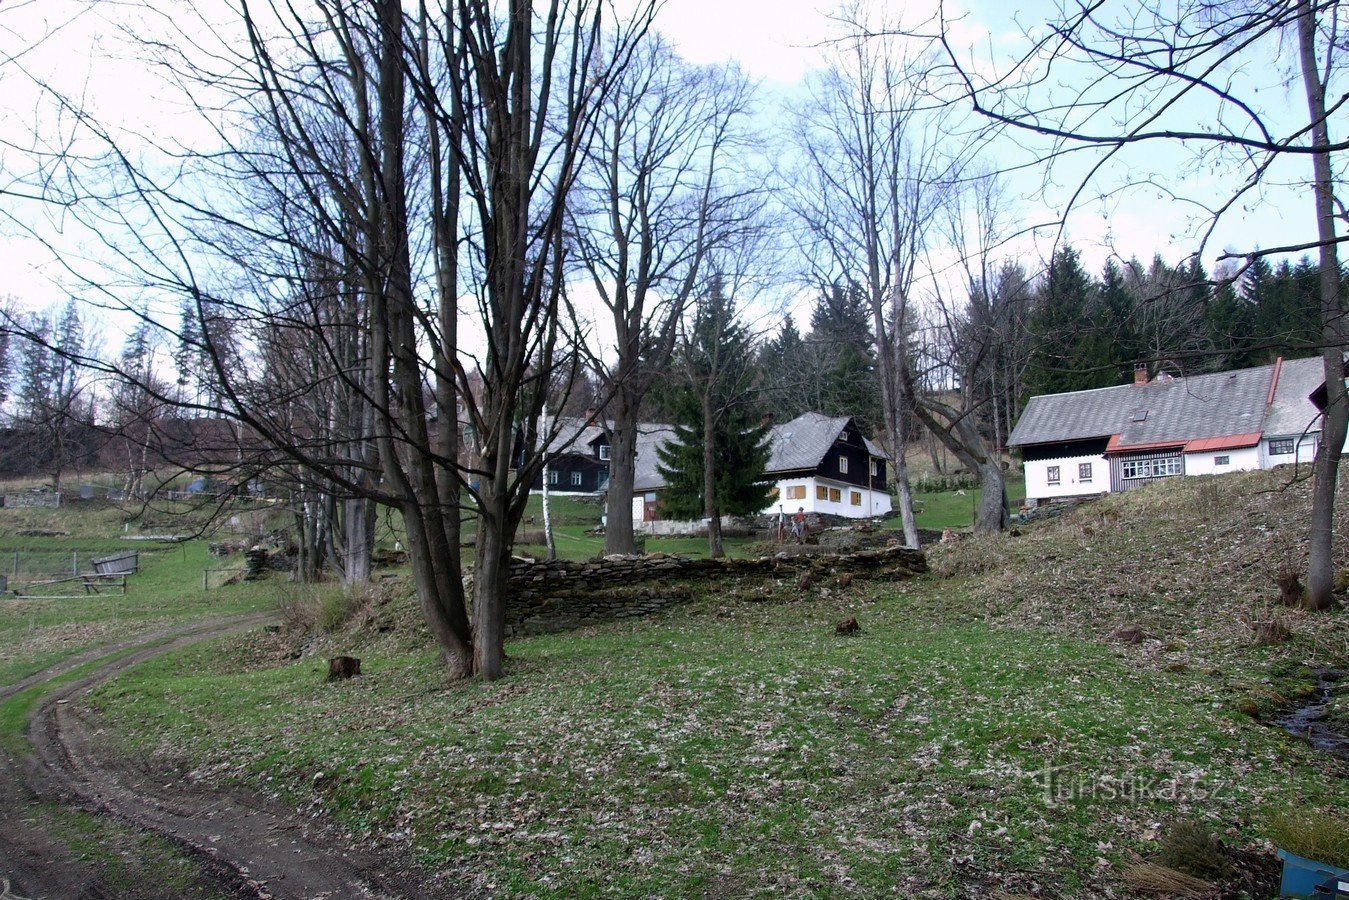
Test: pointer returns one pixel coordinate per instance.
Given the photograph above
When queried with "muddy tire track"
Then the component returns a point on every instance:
(246, 844)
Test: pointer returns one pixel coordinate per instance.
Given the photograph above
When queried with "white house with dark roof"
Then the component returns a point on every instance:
(818, 463)
(1084, 443)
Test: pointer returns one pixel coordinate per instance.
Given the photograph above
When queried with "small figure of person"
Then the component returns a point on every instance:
(799, 525)
(780, 528)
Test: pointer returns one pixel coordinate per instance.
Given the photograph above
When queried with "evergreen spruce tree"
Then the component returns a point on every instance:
(34, 399)
(1231, 322)
(187, 355)
(845, 363)
(715, 464)
(1070, 353)
(784, 364)
(1115, 314)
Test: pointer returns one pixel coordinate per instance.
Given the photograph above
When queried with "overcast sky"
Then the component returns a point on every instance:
(776, 41)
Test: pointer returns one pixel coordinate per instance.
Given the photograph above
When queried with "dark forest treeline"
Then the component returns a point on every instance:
(1090, 332)
(1062, 330)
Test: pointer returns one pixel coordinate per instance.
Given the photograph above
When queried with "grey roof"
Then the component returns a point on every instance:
(1293, 410)
(1218, 404)
(574, 434)
(794, 446)
(802, 442)
(649, 438)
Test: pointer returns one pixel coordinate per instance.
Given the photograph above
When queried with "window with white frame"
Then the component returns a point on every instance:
(575, 479)
(552, 476)
(1222, 460)
(1281, 447)
(842, 464)
(1084, 473)
(877, 468)
(1052, 474)
(1161, 467)
(604, 451)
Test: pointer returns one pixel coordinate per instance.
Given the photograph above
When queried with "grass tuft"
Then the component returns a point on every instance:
(1313, 835)
(1157, 879)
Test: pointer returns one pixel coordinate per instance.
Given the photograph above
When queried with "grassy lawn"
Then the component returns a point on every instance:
(742, 749)
(955, 509)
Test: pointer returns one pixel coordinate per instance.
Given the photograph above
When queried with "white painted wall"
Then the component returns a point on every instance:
(1306, 450)
(1070, 485)
(874, 503)
(1242, 460)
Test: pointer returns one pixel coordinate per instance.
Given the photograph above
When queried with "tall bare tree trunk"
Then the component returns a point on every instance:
(358, 538)
(710, 503)
(1321, 560)
(436, 572)
(491, 566)
(892, 398)
(618, 525)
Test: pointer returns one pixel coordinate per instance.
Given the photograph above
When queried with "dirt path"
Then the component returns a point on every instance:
(244, 845)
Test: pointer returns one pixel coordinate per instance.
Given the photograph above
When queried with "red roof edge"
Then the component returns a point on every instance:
(1274, 382)
(1227, 442)
(1116, 447)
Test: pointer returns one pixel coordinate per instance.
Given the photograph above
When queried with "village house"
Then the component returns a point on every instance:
(579, 458)
(821, 464)
(1085, 443)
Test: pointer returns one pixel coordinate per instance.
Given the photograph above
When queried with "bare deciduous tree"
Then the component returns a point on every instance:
(872, 180)
(366, 157)
(660, 188)
(967, 336)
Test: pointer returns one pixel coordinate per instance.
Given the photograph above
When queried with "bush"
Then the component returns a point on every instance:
(1189, 847)
(307, 609)
(336, 609)
(298, 607)
(929, 483)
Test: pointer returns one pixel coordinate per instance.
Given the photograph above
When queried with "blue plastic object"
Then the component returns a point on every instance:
(1334, 888)
(1302, 876)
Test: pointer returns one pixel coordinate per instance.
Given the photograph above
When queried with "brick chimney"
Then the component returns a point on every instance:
(1140, 374)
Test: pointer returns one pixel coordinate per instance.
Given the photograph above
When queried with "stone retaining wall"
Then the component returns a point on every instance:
(43, 500)
(559, 595)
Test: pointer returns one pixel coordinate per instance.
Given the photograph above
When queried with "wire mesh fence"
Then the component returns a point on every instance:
(211, 579)
(68, 587)
(39, 564)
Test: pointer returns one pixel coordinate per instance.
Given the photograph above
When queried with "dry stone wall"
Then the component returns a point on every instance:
(33, 500)
(560, 595)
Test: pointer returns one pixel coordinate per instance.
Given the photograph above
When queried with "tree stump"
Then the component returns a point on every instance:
(340, 668)
(1290, 587)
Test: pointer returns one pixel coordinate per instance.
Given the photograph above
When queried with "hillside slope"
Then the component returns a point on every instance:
(1191, 561)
